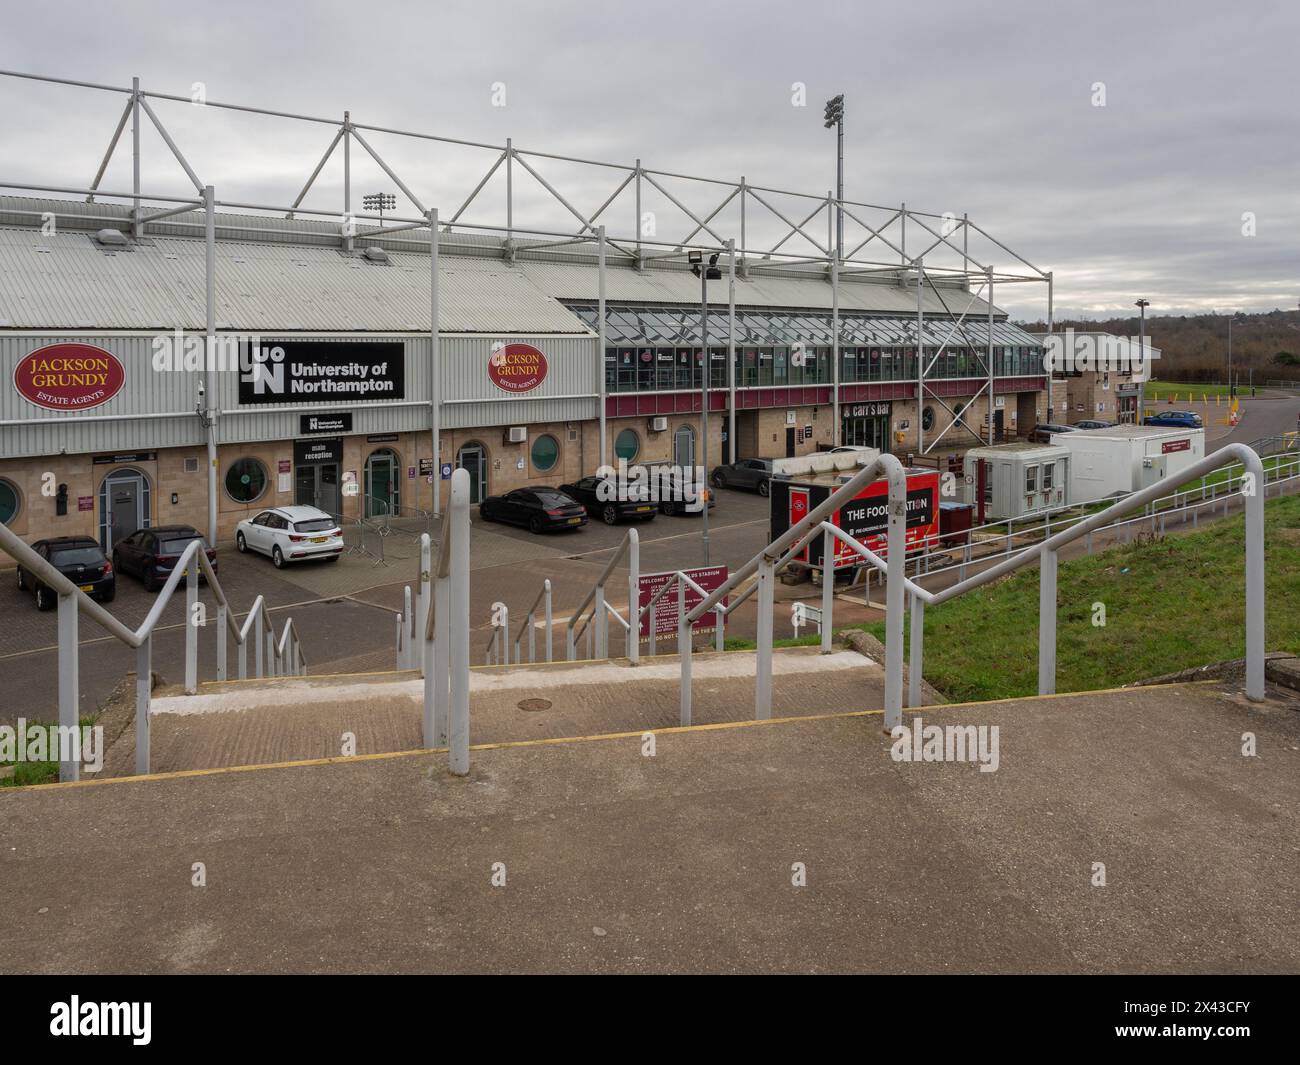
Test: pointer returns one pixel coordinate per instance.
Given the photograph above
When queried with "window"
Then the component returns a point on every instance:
(546, 452)
(627, 445)
(927, 419)
(246, 480)
(1049, 470)
(9, 502)
(1031, 479)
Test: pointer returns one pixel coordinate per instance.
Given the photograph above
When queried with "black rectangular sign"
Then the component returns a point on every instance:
(314, 452)
(324, 423)
(296, 371)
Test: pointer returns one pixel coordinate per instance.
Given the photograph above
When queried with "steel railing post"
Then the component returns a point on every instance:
(684, 651)
(425, 603)
(828, 589)
(600, 621)
(1047, 622)
(143, 684)
(408, 621)
(270, 645)
(221, 641)
(916, 652)
(243, 659)
(1254, 505)
(458, 622)
(69, 688)
(441, 658)
(634, 596)
(255, 631)
(549, 637)
(895, 573)
(192, 626)
(719, 627)
(397, 664)
(532, 636)
(570, 647)
(651, 633)
(763, 670)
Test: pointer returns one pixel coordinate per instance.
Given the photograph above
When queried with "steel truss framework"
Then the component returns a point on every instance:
(940, 256)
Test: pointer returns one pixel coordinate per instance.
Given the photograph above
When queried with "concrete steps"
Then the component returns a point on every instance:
(292, 718)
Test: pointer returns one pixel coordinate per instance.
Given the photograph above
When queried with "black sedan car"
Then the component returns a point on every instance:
(537, 509)
(677, 491)
(78, 558)
(754, 474)
(611, 500)
(151, 554)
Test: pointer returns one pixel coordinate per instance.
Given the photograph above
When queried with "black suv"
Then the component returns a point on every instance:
(78, 558)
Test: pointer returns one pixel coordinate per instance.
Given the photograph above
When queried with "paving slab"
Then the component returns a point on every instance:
(250, 722)
(687, 860)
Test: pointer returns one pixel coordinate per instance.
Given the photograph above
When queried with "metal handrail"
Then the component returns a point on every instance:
(629, 547)
(284, 657)
(1047, 552)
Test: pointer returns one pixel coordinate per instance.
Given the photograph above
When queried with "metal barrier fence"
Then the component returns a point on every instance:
(272, 657)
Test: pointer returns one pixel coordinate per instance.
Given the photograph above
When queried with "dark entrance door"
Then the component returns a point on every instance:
(998, 416)
(789, 441)
(318, 486)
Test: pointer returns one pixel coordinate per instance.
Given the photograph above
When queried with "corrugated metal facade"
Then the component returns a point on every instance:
(470, 398)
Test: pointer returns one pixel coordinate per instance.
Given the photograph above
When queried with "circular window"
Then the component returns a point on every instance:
(627, 444)
(546, 452)
(927, 419)
(8, 502)
(245, 480)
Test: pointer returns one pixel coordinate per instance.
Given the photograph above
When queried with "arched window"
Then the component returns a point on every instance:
(10, 501)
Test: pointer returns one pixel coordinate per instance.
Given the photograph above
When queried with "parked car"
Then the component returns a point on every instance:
(152, 554)
(291, 534)
(1094, 423)
(675, 494)
(537, 509)
(612, 502)
(81, 560)
(1175, 419)
(745, 473)
(1042, 434)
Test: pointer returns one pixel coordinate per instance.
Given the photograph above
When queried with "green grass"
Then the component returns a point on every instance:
(26, 773)
(739, 643)
(1162, 390)
(1171, 603)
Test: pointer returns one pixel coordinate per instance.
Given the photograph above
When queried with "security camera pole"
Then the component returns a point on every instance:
(1142, 306)
(705, 274)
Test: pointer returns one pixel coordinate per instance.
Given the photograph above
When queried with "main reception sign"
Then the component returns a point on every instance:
(69, 376)
(516, 368)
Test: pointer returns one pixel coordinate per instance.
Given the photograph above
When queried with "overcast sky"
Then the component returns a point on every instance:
(989, 109)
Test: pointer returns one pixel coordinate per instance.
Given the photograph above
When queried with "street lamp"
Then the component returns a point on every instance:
(835, 117)
(705, 274)
(379, 202)
(1142, 306)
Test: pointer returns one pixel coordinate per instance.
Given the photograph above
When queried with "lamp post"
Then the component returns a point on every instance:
(379, 202)
(705, 273)
(835, 117)
(1142, 306)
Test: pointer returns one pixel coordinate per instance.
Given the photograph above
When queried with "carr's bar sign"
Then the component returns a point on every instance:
(313, 452)
(295, 370)
(325, 423)
(516, 368)
(869, 410)
(69, 377)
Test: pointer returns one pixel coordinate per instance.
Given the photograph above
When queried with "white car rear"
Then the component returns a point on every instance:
(290, 534)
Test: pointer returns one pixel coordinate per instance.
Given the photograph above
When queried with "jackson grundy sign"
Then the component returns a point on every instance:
(291, 371)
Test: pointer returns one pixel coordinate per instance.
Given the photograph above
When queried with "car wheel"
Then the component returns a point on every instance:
(151, 580)
(109, 595)
(240, 544)
(277, 557)
(485, 514)
(610, 514)
(719, 481)
(44, 598)
(764, 488)
(535, 526)
(22, 580)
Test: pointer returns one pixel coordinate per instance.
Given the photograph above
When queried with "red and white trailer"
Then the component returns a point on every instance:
(865, 517)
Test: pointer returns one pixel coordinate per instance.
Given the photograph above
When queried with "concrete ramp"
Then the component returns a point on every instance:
(289, 719)
(690, 859)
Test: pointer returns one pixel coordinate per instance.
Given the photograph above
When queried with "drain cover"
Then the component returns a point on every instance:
(534, 705)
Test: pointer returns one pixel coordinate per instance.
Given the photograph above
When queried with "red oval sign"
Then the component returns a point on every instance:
(516, 368)
(69, 376)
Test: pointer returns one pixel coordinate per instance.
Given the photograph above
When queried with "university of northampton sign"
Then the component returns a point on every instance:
(69, 376)
(516, 368)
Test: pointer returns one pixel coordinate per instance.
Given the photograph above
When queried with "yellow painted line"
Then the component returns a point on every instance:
(718, 726)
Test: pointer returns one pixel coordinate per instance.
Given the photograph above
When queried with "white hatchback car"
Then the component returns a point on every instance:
(290, 534)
